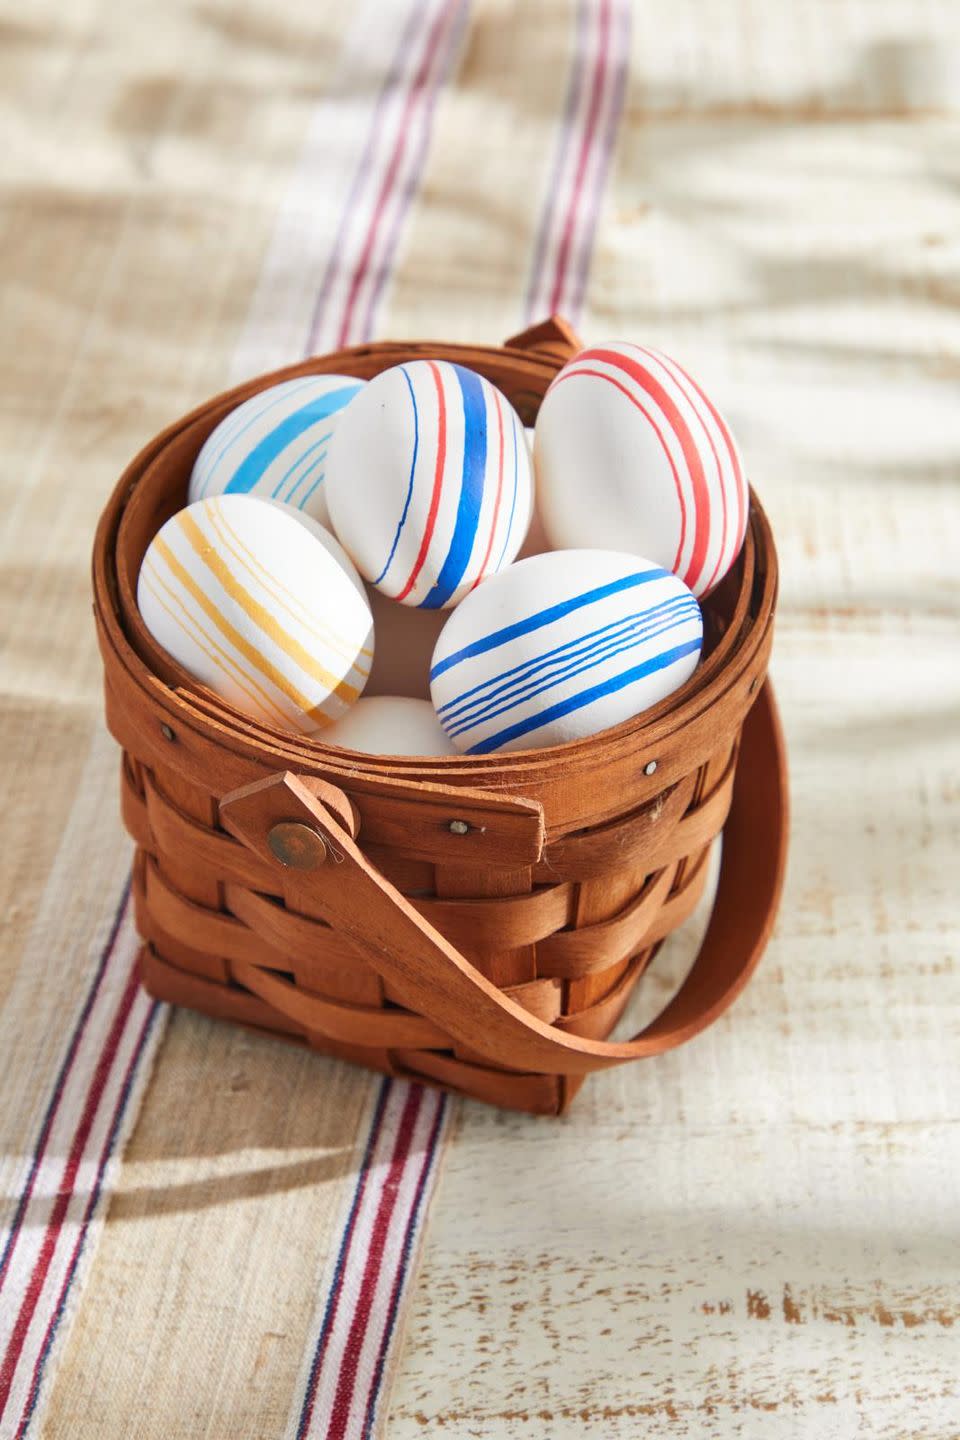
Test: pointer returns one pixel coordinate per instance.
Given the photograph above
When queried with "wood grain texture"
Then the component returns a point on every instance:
(753, 1238)
(757, 1235)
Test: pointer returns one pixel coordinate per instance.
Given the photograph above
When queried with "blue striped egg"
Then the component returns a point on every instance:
(275, 444)
(560, 646)
(429, 482)
(255, 605)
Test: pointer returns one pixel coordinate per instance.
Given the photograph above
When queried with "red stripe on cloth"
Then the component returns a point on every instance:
(618, 70)
(340, 1413)
(459, 10)
(336, 1290)
(602, 375)
(593, 111)
(429, 1155)
(104, 1065)
(38, 1277)
(496, 504)
(392, 83)
(379, 1240)
(417, 90)
(701, 499)
(437, 483)
(62, 1081)
(571, 108)
(96, 1191)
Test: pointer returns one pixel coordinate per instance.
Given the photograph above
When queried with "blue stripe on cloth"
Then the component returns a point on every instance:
(229, 432)
(585, 697)
(303, 474)
(333, 1295)
(63, 1073)
(413, 470)
(255, 463)
(106, 1154)
(400, 1280)
(522, 672)
(544, 617)
(541, 683)
(513, 502)
(471, 490)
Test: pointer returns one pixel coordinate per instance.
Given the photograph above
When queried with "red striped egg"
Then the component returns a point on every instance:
(631, 454)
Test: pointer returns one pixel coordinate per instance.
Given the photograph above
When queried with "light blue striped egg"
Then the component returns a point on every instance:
(275, 444)
(561, 646)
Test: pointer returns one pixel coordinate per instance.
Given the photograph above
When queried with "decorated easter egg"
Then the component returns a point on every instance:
(275, 444)
(390, 725)
(328, 540)
(252, 604)
(631, 454)
(429, 482)
(560, 646)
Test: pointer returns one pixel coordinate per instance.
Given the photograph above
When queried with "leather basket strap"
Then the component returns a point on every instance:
(281, 819)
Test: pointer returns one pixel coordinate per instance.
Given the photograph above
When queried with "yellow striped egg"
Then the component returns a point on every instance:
(256, 606)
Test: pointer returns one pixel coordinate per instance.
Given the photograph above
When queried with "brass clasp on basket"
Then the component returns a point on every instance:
(296, 845)
(278, 815)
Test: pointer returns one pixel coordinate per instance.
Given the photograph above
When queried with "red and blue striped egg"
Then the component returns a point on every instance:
(274, 446)
(560, 646)
(429, 482)
(632, 454)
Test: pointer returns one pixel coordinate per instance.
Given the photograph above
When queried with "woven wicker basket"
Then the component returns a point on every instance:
(474, 923)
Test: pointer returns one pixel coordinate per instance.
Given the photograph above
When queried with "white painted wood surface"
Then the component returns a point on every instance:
(758, 1235)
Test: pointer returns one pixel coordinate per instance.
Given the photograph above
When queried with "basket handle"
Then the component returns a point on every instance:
(332, 876)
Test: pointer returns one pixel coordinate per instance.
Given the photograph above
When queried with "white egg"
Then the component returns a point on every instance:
(390, 725)
(275, 444)
(631, 454)
(252, 604)
(560, 646)
(327, 539)
(429, 482)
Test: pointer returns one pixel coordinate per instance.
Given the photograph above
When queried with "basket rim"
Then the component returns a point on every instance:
(747, 635)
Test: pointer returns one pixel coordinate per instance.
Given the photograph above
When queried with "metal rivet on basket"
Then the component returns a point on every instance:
(296, 845)
(168, 732)
(650, 767)
(459, 827)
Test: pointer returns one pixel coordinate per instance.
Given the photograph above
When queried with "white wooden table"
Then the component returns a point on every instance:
(758, 1235)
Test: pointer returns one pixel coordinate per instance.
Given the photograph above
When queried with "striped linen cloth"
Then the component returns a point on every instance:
(325, 279)
(753, 1235)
